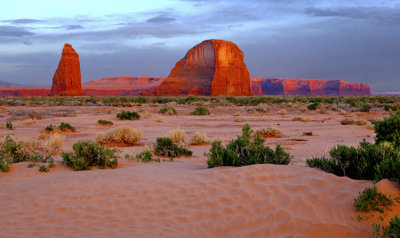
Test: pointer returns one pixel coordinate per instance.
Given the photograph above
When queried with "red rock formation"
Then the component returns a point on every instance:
(307, 87)
(213, 67)
(67, 78)
(24, 92)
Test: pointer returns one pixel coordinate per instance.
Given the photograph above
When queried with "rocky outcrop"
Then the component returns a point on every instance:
(213, 67)
(307, 87)
(67, 78)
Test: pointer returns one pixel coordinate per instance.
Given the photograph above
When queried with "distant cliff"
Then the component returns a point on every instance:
(282, 86)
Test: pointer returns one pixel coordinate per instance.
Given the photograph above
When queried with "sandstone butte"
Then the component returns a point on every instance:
(213, 67)
(67, 78)
(282, 86)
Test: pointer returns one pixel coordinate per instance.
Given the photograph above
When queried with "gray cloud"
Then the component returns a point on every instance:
(23, 21)
(161, 18)
(73, 27)
(13, 31)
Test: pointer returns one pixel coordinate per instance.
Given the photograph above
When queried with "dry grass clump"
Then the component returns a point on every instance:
(29, 121)
(236, 114)
(120, 135)
(269, 132)
(147, 115)
(53, 143)
(199, 139)
(282, 112)
(348, 121)
(323, 109)
(361, 122)
(303, 119)
(29, 144)
(303, 110)
(157, 119)
(177, 136)
(307, 133)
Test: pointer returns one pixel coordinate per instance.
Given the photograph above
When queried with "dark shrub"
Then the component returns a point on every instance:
(144, 156)
(166, 147)
(168, 110)
(388, 129)
(4, 165)
(105, 122)
(313, 106)
(325, 164)
(87, 153)
(127, 115)
(43, 168)
(243, 151)
(201, 111)
(391, 108)
(65, 126)
(49, 128)
(372, 200)
(9, 125)
(393, 230)
(364, 107)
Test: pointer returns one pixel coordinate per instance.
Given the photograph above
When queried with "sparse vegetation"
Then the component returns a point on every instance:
(9, 125)
(303, 119)
(348, 121)
(87, 153)
(372, 200)
(105, 122)
(49, 128)
(269, 132)
(43, 168)
(313, 106)
(308, 133)
(242, 151)
(199, 139)
(177, 136)
(201, 111)
(66, 126)
(120, 135)
(388, 129)
(53, 143)
(128, 115)
(166, 147)
(168, 110)
(29, 121)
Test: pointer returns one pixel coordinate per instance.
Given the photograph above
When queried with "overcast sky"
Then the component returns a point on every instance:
(352, 40)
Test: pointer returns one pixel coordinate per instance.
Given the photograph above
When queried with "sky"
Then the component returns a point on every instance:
(352, 40)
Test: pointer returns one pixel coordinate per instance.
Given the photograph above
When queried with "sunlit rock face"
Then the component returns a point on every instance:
(213, 67)
(67, 78)
(307, 87)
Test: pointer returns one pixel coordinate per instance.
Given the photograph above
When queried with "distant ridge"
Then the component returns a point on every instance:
(8, 85)
(385, 93)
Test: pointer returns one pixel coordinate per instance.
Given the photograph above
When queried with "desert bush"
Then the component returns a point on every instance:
(166, 147)
(144, 156)
(348, 121)
(372, 200)
(303, 119)
(308, 133)
(325, 164)
(269, 132)
(323, 109)
(87, 153)
(364, 107)
(29, 121)
(391, 108)
(282, 112)
(121, 134)
(393, 229)
(199, 139)
(66, 126)
(201, 111)
(388, 129)
(43, 168)
(242, 151)
(105, 122)
(128, 115)
(313, 106)
(11, 150)
(49, 128)
(29, 144)
(168, 110)
(158, 119)
(53, 143)
(177, 136)
(9, 125)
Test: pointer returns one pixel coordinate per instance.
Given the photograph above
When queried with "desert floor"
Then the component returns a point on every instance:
(184, 198)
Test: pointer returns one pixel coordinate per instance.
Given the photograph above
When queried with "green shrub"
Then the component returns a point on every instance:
(372, 200)
(105, 122)
(9, 125)
(313, 106)
(166, 147)
(87, 153)
(243, 151)
(65, 126)
(127, 115)
(391, 108)
(168, 110)
(388, 129)
(393, 230)
(43, 168)
(365, 107)
(325, 164)
(4, 165)
(49, 128)
(144, 156)
(201, 111)
(51, 163)
(12, 151)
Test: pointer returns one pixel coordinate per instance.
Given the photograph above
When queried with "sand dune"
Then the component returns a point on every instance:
(179, 200)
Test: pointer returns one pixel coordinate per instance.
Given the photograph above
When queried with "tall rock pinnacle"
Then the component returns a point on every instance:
(213, 67)
(67, 78)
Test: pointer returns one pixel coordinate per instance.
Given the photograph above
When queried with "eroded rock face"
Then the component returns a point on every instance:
(213, 67)
(67, 78)
(307, 87)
